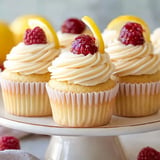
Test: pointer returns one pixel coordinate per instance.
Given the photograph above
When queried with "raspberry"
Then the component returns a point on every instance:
(73, 25)
(9, 142)
(1, 67)
(35, 36)
(131, 33)
(84, 44)
(148, 153)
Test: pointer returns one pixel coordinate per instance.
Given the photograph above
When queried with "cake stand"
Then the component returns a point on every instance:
(100, 143)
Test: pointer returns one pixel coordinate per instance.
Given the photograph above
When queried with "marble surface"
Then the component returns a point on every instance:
(37, 144)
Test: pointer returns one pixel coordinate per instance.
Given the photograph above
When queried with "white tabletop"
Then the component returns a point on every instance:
(37, 144)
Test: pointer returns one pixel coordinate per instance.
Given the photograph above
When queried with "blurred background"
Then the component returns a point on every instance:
(102, 11)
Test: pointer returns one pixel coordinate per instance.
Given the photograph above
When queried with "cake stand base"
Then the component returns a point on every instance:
(86, 148)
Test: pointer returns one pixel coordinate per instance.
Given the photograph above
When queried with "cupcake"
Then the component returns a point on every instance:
(137, 71)
(26, 73)
(81, 90)
(70, 29)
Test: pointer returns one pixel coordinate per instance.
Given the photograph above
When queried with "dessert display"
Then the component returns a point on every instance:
(81, 90)
(71, 28)
(26, 73)
(81, 82)
(136, 68)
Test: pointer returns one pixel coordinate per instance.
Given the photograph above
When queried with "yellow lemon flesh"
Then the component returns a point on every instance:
(119, 22)
(20, 24)
(6, 40)
(96, 32)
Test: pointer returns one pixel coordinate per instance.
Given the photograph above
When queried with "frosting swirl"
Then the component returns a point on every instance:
(133, 60)
(31, 59)
(155, 38)
(86, 70)
(109, 36)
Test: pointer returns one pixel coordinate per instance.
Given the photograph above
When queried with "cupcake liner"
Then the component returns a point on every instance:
(82, 109)
(25, 98)
(135, 100)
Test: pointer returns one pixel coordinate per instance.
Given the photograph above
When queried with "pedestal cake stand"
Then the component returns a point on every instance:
(100, 143)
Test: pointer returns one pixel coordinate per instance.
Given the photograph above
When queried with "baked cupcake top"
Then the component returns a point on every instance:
(132, 52)
(33, 56)
(70, 29)
(155, 38)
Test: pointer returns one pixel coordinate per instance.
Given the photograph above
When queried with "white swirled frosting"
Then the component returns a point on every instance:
(109, 36)
(31, 59)
(155, 38)
(133, 60)
(86, 70)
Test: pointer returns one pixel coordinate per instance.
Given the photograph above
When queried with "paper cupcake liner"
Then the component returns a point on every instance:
(135, 100)
(25, 98)
(82, 109)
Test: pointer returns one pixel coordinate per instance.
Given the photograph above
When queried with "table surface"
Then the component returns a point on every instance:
(130, 143)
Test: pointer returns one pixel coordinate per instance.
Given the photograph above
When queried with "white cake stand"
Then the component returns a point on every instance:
(82, 143)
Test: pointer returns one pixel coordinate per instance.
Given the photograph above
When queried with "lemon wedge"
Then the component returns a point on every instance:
(47, 27)
(118, 22)
(6, 40)
(96, 32)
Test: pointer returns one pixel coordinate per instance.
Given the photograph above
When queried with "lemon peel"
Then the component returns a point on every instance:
(47, 27)
(118, 22)
(96, 32)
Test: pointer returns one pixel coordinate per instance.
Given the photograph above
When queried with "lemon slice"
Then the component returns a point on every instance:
(95, 30)
(47, 27)
(120, 21)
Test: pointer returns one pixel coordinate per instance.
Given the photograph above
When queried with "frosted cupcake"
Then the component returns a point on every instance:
(81, 90)
(70, 29)
(26, 73)
(137, 70)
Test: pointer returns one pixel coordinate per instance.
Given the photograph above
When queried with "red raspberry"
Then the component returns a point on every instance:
(9, 142)
(148, 153)
(35, 36)
(73, 25)
(1, 67)
(84, 44)
(131, 33)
